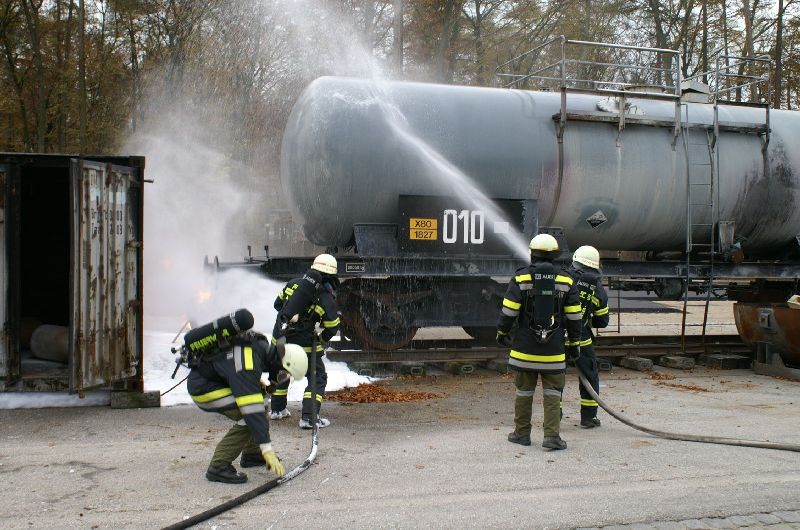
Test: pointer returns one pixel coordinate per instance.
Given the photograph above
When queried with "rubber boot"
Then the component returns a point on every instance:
(226, 474)
(590, 423)
(516, 438)
(554, 442)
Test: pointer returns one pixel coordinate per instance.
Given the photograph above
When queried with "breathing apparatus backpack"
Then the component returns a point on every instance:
(302, 296)
(204, 343)
(542, 304)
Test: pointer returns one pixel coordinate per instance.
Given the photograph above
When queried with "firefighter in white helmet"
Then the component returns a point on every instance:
(538, 300)
(227, 380)
(307, 306)
(585, 273)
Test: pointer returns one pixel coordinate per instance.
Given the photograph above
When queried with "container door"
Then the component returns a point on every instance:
(9, 285)
(105, 332)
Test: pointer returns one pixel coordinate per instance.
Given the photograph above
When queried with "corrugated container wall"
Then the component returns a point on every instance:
(71, 272)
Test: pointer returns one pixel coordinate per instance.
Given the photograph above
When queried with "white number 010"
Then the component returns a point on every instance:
(471, 226)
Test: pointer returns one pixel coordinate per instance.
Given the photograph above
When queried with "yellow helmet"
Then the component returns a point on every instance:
(325, 263)
(544, 246)
(587, 255)
(295, 361)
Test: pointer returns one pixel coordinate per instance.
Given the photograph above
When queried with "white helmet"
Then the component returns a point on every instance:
(325, 263)
(544, 246)
(295, 361)
(587, 255)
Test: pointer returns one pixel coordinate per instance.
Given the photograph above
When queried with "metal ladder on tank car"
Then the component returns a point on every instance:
(702, 177)
(696, 185)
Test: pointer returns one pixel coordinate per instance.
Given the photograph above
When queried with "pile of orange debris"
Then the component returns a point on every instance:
(371, 393)
(661, 376)
(690, 388)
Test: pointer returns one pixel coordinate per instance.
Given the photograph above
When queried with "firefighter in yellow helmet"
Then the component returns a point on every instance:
(538, 300)
(585, 273)
(307, 307)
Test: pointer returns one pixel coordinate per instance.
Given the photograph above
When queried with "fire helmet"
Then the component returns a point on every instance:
(325, 263)
(544, 246)
(295, 361)
(587, 255)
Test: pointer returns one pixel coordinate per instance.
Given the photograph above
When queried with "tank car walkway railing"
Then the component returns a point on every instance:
(621, 71)
(616, 70)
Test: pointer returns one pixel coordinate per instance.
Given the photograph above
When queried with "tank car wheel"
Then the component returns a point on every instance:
(384, 332)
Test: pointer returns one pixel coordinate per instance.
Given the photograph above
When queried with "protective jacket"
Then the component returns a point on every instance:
(538, 344)
(231, 379)
(322, 309)
(594, 301)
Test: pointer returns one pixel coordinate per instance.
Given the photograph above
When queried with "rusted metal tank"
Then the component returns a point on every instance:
(351, 147)
(776, 324)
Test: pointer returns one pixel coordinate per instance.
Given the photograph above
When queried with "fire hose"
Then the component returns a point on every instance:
(683, 437)
(274, 483)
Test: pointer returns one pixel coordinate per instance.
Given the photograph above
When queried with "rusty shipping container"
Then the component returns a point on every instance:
(71, 272)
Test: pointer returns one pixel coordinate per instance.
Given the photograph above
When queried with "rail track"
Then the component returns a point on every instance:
(608, 347)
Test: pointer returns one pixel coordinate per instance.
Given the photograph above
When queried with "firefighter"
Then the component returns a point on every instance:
(585, 273)
(538, 300)
(307, 307)
(229, 383)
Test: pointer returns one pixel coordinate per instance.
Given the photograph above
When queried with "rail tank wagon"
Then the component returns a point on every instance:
(346, 159)
(416, 188)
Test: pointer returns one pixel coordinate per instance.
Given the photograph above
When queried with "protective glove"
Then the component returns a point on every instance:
(503, 340)
(273, 463)
(269, 387)
(573, 353)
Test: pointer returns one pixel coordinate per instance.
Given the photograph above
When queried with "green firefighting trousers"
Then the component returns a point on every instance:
(553, 386)
(238, 440)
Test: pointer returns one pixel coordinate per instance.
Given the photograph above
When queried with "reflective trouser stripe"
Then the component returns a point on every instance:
(601, 312)
(525, 393)
(331, 323)
(281, 392)
(552, 392)
(510, 312)
(588, 403)
(586, 342)
(307, 395)
(574, 316)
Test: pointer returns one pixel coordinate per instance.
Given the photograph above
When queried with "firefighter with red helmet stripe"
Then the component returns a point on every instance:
(537, 300)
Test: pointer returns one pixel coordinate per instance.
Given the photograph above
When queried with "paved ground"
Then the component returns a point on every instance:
(441, 463)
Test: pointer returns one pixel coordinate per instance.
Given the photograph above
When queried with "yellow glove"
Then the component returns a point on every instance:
(273, 463)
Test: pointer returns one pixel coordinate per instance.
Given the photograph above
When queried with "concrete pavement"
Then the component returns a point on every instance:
(441, 463)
